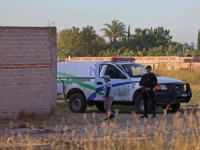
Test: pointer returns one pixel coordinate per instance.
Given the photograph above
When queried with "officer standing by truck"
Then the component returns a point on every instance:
(147, 83)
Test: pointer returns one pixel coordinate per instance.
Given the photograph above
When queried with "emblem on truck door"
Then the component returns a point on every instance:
(92, 70)
(122, 92)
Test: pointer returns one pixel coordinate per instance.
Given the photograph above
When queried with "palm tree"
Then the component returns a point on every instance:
(88, 37)
(114, 30)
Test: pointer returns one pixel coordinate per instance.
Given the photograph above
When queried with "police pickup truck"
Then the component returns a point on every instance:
(82, 84)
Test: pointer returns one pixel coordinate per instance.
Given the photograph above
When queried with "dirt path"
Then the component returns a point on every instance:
(76, 127)
(85, 125)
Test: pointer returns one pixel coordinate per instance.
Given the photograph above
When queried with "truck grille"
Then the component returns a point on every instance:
(179, 87)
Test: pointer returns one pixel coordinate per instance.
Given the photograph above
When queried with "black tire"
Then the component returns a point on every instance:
(164, 107)
(77, 103)
(175, 107)
(100, 106)
(139, 105)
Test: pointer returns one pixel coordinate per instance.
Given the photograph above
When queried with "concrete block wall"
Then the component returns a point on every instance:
(27, 70)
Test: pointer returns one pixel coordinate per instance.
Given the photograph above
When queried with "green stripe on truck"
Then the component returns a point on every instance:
(80, 84)
(65, 81)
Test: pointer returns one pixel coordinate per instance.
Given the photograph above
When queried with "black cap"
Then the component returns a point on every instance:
(148, 67)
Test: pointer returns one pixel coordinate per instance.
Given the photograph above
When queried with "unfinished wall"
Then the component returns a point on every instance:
(158, 62)
(27, 70)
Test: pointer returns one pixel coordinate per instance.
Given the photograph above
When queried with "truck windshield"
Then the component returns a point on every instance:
(134, 70)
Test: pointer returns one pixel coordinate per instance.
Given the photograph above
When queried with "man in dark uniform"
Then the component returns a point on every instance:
(147, 83)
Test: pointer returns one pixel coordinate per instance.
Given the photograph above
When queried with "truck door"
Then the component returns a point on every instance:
(120, 81)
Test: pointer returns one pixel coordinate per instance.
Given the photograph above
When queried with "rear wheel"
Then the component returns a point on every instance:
(77, 103)
(139, 104)
(100, 106)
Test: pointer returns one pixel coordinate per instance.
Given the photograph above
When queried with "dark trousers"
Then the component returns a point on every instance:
(148, 97)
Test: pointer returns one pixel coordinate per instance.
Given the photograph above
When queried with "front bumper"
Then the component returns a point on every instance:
(184, 95)
(176, 93)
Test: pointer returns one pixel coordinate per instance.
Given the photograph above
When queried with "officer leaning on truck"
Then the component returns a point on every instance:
(147, 83)
(108, 98)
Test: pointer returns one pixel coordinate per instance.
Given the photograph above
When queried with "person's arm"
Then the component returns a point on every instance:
(108, 86)
(141, 81)
(107, 92)
(154, 81)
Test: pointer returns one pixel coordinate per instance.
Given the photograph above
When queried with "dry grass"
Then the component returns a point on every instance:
(177, 132)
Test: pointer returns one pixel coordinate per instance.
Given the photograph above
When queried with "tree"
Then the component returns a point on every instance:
(144, 39)
(157, 51)
(85, 42)
(75, 42)
(198, 42)
(99, 45)
(186, 47)
(69, 42)
(178, 47)
(128, 52)
(88, 35)
(114, 30)
(128, 36)
(107, 53)
(162, 36)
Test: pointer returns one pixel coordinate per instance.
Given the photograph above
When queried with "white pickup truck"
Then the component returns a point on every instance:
(82, 84)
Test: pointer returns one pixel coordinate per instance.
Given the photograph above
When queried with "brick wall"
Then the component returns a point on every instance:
(27, 70)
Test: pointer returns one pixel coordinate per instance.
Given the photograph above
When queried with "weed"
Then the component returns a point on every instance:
(32, 115)
(53, 111)
(22, 115)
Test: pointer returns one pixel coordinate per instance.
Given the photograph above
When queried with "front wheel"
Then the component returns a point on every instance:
(175, 107)
(139, 105)
(77, 103)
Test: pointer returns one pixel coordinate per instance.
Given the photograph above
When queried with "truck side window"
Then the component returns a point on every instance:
(112, 71)
(134, 70)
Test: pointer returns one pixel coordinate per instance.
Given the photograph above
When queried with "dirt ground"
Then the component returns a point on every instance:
(67, 125)
(80, 125)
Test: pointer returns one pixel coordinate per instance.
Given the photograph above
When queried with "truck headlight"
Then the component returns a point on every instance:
(160, 87)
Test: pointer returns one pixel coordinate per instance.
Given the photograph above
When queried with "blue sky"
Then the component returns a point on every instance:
(182, 17)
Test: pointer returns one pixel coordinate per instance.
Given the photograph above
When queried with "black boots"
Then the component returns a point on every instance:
(144, 116)
(154, 116)
(110, 117)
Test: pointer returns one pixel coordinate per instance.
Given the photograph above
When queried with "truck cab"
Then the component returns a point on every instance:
(125, 75)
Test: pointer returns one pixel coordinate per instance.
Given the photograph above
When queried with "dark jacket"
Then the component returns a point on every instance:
(148, 80)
